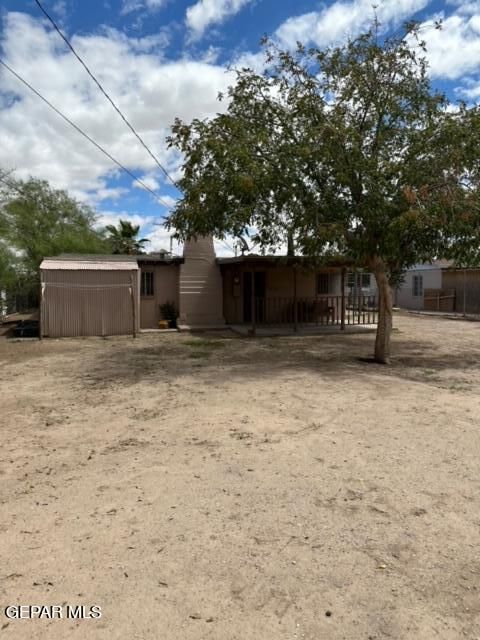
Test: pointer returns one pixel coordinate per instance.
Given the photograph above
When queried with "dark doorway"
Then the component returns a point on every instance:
(260, 289)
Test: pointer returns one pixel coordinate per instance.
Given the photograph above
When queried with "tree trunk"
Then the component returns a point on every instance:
(385, 310)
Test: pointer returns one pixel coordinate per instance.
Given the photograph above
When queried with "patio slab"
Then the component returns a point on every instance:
(285, 330)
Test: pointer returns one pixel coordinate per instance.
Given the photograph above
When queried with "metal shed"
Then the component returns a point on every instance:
(89, 296)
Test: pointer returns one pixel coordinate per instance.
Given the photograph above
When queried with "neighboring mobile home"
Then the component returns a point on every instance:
(440, 286)
(419, 279)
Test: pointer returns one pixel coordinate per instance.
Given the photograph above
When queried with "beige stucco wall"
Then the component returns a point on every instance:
(165, 289)
(200, 287)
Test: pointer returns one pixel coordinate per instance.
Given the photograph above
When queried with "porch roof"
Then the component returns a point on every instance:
(289, 261)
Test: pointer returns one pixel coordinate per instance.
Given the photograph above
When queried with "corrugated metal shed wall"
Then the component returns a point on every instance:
(89, 302)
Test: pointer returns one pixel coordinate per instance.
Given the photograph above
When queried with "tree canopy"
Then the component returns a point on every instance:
(37, 220)
(123, 239)
(350, 150)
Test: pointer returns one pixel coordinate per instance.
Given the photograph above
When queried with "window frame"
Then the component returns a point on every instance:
(144, 281)
(366, 274)
(417, 285)
(327, 276)
(359, 280)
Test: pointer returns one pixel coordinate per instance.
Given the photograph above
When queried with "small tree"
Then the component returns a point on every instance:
(123, 239)
(37, 221)
(350, 149)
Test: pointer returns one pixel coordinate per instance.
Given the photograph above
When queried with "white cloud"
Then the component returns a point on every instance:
(150, 90)
(454, 50)
(207, 12)
(160, 239)
(136, 5)
(248, 60)
(148, 181)
(341, 19)
(60, 8)
(224, 248)
(113, 217)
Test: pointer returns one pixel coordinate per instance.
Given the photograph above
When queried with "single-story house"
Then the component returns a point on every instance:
(440, 286)
(418, 281)
(108, 295)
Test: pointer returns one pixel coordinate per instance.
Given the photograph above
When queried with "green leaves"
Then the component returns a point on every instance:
(349, 148)
(37, 221)
(123, 239)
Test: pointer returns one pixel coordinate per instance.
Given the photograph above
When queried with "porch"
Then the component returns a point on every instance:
(264, 292)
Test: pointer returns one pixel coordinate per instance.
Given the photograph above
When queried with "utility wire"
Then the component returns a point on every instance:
(225, 244)
(85, 135)
(10, 184)
(97, 82)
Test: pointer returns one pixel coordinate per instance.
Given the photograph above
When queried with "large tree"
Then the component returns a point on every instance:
(37, 220)
(124, 238)
(348, 148)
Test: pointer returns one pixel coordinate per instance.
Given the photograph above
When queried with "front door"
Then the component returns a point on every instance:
(149, 311)
(260, 290)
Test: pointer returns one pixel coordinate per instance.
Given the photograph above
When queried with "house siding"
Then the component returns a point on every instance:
(165, 289)
(432, 279)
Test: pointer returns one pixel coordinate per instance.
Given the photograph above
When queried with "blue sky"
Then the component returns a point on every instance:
(165, 58)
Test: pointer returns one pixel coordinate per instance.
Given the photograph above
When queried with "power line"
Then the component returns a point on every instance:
(85, 135)
(225, 244)
(97, 82)
(11, 185)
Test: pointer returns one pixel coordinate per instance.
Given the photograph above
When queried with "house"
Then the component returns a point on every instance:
(440, 286)
(108, 295)
(419, 283)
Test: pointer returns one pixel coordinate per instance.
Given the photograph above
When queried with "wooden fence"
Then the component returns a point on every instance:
(439, 299)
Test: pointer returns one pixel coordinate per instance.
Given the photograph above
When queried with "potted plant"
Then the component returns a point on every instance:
(169, 313)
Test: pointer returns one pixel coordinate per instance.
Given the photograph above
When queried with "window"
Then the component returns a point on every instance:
(417, 286)
(323, 284)
(147, 283)
(358, 280)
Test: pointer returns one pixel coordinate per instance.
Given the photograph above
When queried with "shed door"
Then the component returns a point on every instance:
(87, 304)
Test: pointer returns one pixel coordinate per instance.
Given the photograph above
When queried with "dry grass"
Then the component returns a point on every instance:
(242, 492)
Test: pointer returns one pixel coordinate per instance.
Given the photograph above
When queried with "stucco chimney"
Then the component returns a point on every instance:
(201, 288)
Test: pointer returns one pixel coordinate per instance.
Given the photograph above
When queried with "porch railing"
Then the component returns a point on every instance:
(321, 310)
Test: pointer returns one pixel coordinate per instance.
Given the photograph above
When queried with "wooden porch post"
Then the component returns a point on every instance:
(253, 305)
(295, 310)
(342, 321)
(134, 308)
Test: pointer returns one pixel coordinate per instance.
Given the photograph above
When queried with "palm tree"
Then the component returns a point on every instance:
(123, 238)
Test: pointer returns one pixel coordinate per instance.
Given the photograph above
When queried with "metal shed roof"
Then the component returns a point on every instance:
(90, 263)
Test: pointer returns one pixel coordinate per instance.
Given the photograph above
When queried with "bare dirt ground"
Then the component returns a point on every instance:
(232, 489)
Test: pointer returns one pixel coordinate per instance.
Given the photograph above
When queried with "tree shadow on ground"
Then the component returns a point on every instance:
(213, 359)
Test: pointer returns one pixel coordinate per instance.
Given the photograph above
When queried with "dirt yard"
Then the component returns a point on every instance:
(232, 489)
